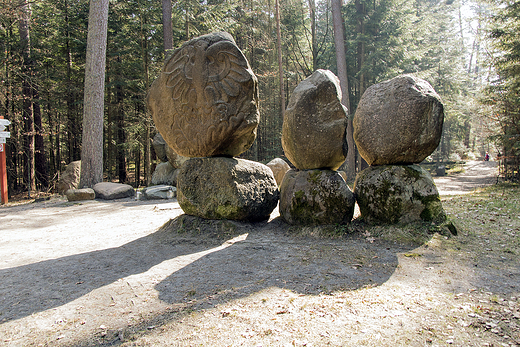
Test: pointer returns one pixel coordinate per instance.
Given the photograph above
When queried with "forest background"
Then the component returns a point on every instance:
(469, 51)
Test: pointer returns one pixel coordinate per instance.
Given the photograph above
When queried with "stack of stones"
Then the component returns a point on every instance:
(313, 139)
(205, 105)
(398, 123)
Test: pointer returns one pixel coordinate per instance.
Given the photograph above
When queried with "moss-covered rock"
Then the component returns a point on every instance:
(314, 197)
(398, 194)
(226, 188)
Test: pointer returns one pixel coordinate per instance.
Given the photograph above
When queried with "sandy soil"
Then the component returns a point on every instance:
(137, 273)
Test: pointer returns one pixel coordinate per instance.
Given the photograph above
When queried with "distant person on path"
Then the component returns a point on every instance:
(486, 158)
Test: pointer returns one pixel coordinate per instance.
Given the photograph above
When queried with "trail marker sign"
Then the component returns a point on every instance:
(3, 172)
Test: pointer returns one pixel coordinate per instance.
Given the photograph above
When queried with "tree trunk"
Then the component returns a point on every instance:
(167, 24)
(120, 125)
(72, 115)
(312, 10)
(280, 63)
(93, 106)
(147, 118)
(40, 161)
(339, 43)
(27, 107)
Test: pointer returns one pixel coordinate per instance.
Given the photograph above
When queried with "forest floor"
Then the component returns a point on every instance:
(140, 273)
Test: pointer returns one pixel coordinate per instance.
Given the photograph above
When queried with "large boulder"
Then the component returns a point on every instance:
(205, 100)
(164, 173)
(314, 197)
(398, 194)
(70, 178)
(226, 188)
(398, 121)
(110, 190)
(315, 124)
(279, 167)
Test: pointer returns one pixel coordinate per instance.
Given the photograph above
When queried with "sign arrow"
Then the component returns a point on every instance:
(4, 122)
(5, 134)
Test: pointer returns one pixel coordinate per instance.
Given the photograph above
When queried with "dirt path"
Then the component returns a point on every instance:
(476, 174)
(107, 273)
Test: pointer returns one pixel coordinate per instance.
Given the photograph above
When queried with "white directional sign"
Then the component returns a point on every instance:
(2, 140)
(4, 123)
(5, 134)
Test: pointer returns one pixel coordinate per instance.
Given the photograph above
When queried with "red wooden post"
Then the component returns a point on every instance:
(3, 173)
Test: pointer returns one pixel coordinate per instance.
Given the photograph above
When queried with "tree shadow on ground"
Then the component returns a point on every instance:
(40, 286)
(269, 256)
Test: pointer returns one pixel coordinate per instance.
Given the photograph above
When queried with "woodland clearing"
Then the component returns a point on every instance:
(140, 273)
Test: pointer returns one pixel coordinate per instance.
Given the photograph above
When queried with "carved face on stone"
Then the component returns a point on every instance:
(205, 101)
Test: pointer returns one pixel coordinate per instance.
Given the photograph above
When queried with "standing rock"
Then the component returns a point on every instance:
(398, 194)
(313, 197)
(398, 121)
(164, 173)
(110, 190)
(315, 124)
(205, 101)
(174, 159)
(226, 188)
(279, 167)
(70, 178)
(159, 146)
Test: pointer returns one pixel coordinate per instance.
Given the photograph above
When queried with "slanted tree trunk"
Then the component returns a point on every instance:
(93, 106)
(339, 43)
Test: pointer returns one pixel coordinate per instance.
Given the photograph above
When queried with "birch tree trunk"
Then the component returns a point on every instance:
(93, 106)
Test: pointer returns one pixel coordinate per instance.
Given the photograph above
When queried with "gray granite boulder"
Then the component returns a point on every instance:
(398, 121)
(80, 194)
(159, 192)
(110, 190)
(315, 123)
(279, 167)
(69, 179)
(174, 159)
(164, 173)
(205, 100)
(159, 146)
(226, 188)
(314, 197)
(398, 194)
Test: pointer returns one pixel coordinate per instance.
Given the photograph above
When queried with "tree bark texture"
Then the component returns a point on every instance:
(341, 61)
(280, 63)
(167, 24)
(27, 107)
(93, 105)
